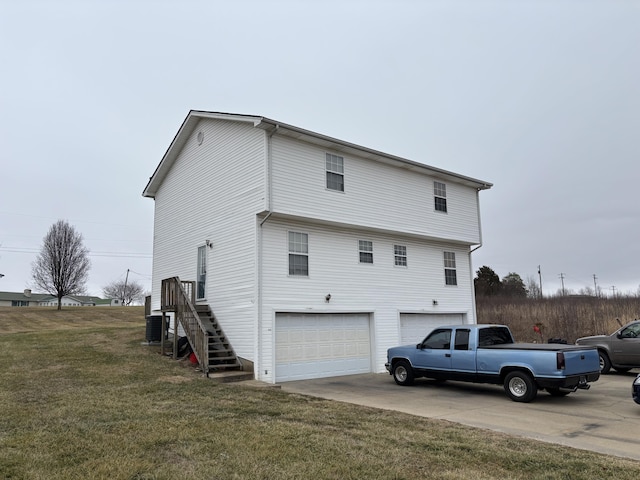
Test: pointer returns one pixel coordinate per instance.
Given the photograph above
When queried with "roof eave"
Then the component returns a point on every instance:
(194, 116)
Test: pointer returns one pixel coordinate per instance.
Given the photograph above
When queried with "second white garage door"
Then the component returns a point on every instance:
(414, 327)
(321, 345)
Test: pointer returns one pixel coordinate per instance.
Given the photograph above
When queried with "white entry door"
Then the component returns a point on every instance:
(322, 345)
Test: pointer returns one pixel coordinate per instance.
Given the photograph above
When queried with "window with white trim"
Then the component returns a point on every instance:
(365, 250)
(400, 255)
(440, 196)
(450, 275)
(298, 254)
(335, 172)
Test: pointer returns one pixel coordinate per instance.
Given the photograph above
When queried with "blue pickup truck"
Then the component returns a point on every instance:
(489, 354)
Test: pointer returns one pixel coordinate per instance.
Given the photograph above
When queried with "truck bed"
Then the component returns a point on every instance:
(553, 347)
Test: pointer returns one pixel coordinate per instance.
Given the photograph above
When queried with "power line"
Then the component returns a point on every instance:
(91, 254)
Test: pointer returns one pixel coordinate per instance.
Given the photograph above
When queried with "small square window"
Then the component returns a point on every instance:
(334, 166)
(400, 255)
(365, 249)
(440, 196)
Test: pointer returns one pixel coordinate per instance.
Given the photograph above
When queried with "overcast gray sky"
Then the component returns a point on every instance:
(541, 98)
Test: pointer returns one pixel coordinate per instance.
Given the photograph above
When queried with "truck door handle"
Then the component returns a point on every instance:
(447, 354)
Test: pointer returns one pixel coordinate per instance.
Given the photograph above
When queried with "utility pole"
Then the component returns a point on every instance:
(595, 285)
(124, 291)
(540, 277)
(562, 280)
(613, 289)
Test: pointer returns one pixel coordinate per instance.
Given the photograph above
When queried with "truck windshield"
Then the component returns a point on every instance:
(494, 336)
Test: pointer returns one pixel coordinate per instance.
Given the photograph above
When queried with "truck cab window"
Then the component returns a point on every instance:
(462, 340)
(439, 339)
(494, 336)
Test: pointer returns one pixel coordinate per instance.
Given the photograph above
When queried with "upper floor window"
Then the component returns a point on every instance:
(365, 249)
(450, 276)
(440, 196)
(400, 254)
(335, 172)
(298, 254)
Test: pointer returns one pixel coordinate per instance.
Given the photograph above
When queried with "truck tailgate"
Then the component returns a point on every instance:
(579, 361)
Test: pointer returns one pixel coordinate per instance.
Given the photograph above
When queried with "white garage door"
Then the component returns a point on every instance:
(414, 327)
(321, 345)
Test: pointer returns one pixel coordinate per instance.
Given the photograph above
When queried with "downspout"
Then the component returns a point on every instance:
(473, 287)
(269, 198)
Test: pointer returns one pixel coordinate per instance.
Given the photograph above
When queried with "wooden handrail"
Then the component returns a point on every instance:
(179, 297)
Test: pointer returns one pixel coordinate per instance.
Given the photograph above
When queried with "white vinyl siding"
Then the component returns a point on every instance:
(224, 178)
(243, 189)
(414, 327)
(378, 195)
(381, 289)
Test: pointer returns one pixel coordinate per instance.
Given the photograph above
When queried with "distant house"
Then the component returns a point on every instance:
(29, 299)
(313, 254)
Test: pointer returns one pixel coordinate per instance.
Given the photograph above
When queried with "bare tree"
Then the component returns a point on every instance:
(62, 266)
(127, 292)
(533, 288)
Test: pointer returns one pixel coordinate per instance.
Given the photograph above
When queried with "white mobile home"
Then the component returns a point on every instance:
(314, 255)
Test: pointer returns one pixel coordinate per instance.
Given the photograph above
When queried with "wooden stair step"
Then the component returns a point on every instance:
(224, 366)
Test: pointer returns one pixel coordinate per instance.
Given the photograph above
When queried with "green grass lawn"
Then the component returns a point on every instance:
(81, 397)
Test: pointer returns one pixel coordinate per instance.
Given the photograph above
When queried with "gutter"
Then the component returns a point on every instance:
(258, 325)
(473, 287)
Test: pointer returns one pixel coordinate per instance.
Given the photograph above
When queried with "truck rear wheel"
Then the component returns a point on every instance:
(403, 373)
(520, 387)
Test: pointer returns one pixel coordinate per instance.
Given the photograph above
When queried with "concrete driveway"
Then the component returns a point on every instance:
(603, 419)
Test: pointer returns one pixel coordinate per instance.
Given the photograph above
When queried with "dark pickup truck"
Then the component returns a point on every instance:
(620, 350)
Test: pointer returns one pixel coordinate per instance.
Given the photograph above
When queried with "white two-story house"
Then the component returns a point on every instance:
(314, 254)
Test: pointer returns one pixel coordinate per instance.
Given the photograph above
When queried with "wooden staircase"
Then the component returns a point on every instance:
(220, 352)
(206, 338)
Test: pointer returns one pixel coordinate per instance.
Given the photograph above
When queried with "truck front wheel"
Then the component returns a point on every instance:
(403, 373)
(605, 363)
(520, 387)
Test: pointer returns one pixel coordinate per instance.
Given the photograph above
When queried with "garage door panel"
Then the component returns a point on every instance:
(332, 345)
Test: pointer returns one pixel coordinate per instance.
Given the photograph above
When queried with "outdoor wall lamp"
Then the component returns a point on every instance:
(435, 302)
(327, 298)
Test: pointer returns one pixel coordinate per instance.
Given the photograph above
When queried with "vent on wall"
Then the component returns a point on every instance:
(200, 137)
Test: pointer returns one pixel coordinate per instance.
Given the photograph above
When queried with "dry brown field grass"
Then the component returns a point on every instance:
(567, 318)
